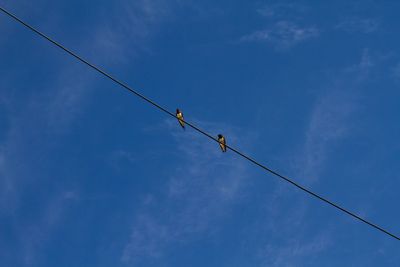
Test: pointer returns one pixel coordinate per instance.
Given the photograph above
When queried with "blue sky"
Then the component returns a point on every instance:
(92, 176)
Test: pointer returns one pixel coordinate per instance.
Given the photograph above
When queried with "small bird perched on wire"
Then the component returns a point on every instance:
(180, 118)
(222, 142)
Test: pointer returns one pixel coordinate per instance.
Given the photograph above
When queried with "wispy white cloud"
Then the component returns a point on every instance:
(197, 196)
(396, 71)
(121, 155)
(357, 24)
(366, 62)
(282, 232)
(34, 234)
(331, 117)
(331, 121)
(283, 35)
(285, 26)
(129, 30)
(294, 251)
(281, 10)
(6, 183)
(67, 100)
(47, 113)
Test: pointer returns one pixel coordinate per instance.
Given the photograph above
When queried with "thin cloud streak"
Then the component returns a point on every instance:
(133, 26)
(34, 235)
(361, 25)
(55, 111)
(294, 251)
(330, 120)
(396, 72)
(329, 123)
(282, 35)
(282, 10)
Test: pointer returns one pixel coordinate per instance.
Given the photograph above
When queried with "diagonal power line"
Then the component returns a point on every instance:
(131, 90)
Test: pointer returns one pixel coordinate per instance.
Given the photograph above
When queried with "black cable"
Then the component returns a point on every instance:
(198, 129)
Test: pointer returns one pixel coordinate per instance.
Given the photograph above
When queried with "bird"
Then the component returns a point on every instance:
(179, 116)
(222, 142)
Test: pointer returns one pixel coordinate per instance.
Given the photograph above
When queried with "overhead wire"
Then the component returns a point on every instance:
(158, 106)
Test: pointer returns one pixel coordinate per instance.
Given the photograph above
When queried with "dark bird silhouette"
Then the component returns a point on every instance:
(179, 116)
(222, 142)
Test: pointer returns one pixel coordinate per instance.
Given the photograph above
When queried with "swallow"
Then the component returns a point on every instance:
(222, 142)
(180, 118)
